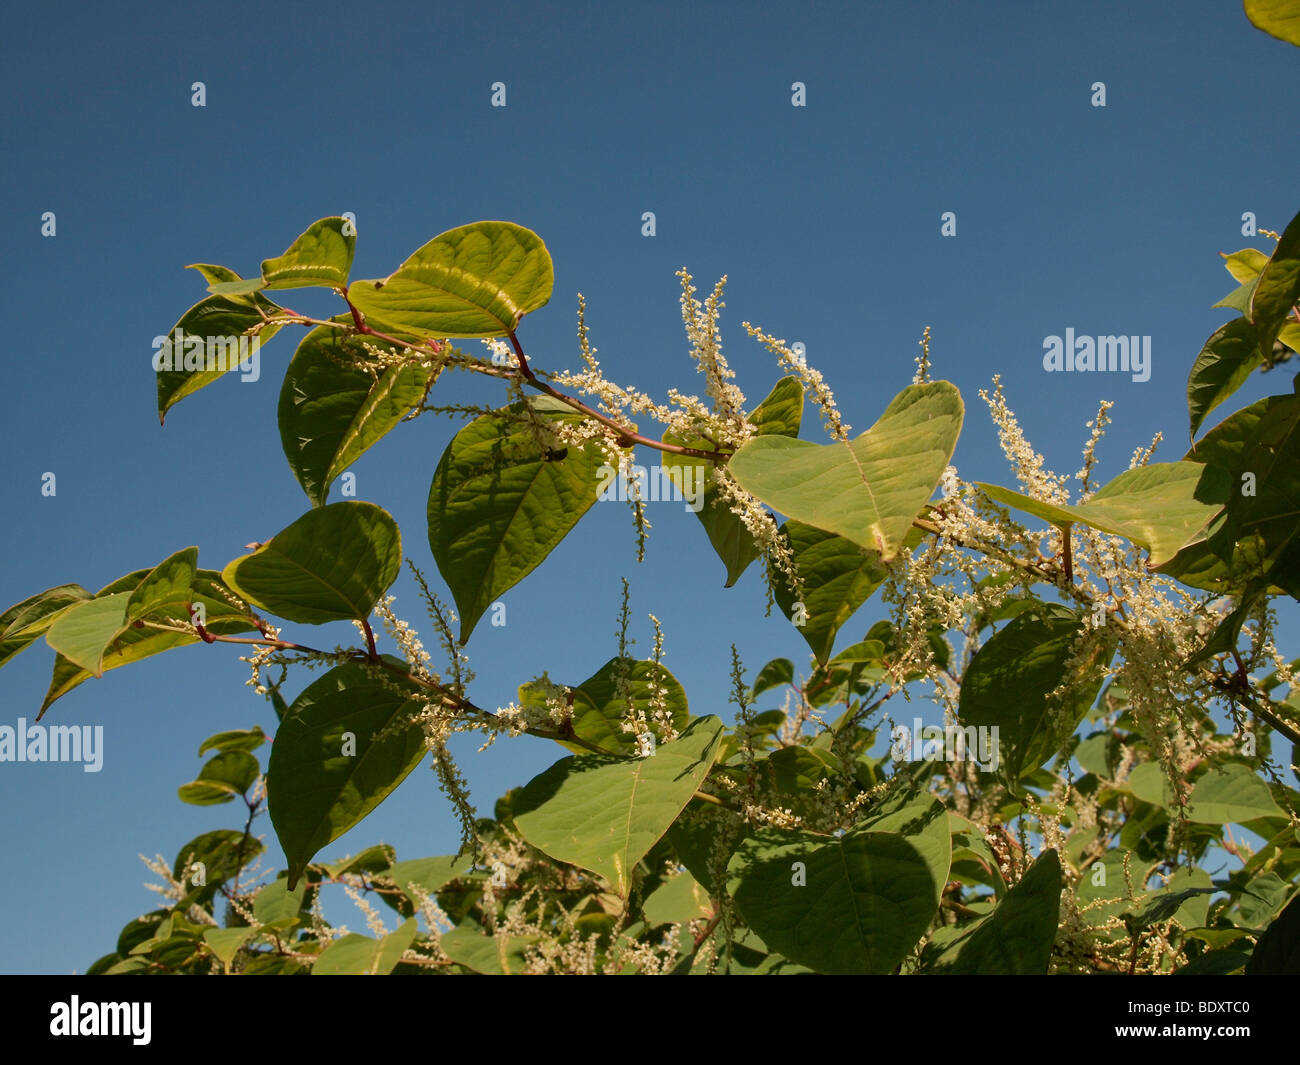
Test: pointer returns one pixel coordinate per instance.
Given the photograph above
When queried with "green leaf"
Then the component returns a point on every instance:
(213, 274)
(358, 955)
(1278, 18)
(349, 739)
(225, 942)
(871, 489)
(1258, 449)
(1223, 365)
(371, 860)
(321, 256)
(1198, 566)
(1150, 783)
(393, 945)
(234, 769)
(598, 713)
(1185, 899)
(167, 585)
(350, 955)
(1017, 939)
(133, 644)
(1161, 506)
(84, 633)
(1260, 901)
(221, 854)
(838, 577)
(502, 955)
(276, 903)
(1278, 951)
(1245, 265)
(1239, 298)
(431, 874)
(1214, 963)
(777, 672)
(779, 414)
(206, 794)
(604, 814)
(234, 740)
(678, 900)
(1277, 289)
(851, 904)
(332, 410)
(477, 280)
(498, 506)
(1008, 683)
(332, 563)
(181, 366)
(1230, 794)
(24, 622)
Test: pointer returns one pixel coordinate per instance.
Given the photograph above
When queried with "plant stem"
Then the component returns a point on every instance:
(627, 436)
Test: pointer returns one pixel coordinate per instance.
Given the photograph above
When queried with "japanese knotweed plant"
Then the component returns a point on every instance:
(1104, 658)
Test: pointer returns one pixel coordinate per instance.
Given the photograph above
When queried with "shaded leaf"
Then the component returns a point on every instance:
(348, 741)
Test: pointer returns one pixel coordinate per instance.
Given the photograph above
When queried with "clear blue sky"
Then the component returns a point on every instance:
(826, 219)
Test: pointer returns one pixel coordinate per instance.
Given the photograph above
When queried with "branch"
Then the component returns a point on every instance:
(627, 436)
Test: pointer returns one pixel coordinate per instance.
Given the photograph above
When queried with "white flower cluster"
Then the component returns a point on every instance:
(813, 381)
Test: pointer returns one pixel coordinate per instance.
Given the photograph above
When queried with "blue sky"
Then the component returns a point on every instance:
(826, 219)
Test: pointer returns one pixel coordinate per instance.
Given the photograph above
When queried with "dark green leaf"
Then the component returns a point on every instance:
(349, 739)
(1008, 683)
(499, 504)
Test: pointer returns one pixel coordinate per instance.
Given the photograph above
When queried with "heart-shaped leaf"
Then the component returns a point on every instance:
(1231, 794)
(850, 904)
(1017, 939)
(1009, 684)
(868, 490)
(604, 814)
